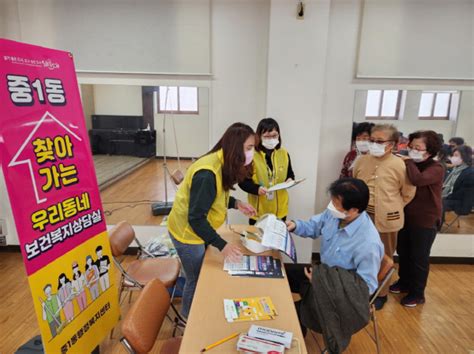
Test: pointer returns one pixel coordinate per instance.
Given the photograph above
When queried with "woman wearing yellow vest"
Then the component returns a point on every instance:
(271, 165)
(201, 203)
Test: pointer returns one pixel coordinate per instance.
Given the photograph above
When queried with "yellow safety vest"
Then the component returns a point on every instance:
(178, 219)
(263, 176)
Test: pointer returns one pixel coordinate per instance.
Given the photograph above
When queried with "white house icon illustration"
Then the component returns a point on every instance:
(18, 161)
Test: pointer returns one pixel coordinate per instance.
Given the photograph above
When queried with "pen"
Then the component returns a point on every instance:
(219, 342)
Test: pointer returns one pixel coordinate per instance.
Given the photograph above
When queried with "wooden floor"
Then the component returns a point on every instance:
(109, 168)
(464, 225)
(445, 324)
(130, 198)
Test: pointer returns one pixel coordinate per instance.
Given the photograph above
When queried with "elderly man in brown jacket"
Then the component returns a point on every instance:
(389, 187)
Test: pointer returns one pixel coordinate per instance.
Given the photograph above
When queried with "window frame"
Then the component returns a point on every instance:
(379, 116)
(158, 102)
(433, 104)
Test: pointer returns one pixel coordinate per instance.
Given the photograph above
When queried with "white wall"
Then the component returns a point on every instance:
(417, 39)
(239, 62)
(465, 126)
(141, 36)
(6, 212)
(118, 100)
(192, 130)
(296, 67)
(239, 66)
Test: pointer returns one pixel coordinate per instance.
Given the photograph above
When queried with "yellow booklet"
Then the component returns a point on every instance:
(249, 309)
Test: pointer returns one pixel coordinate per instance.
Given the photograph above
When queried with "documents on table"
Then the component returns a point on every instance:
(249, 309)
(254, 266)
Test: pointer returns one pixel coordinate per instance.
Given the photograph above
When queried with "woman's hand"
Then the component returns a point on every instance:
(291, 226)
(246, 208)
(403, 157)
(262, 191)
(231, 252)
(308, 271)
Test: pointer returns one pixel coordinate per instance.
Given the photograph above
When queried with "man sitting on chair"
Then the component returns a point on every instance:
(351, 254)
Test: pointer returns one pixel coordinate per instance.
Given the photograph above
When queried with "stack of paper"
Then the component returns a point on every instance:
(271, 334)
(250, 345)
(254, 266)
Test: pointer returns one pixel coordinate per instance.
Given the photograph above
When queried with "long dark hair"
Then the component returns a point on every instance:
(267, 125)
(62, 275)
(232, 144)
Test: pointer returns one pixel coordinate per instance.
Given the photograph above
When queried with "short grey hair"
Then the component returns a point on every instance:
(388, 128)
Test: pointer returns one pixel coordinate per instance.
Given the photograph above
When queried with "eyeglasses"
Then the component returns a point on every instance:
(273, 136)
(379, 141)
(417, 149)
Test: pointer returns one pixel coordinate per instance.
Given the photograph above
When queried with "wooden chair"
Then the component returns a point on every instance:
(141, 271)
(384, 276)
(143, 321)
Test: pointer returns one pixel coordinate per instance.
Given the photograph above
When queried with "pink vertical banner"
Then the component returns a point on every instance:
(45, 153)
(50, 177)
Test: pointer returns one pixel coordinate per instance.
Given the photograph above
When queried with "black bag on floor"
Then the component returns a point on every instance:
(33, 346)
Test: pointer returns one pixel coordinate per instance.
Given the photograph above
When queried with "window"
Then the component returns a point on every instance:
(383, 104)
(174, 99)
(436, 104)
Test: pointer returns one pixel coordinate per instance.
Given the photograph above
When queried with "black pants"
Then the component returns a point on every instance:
(413, 248)
(253, 222)
(298, 282)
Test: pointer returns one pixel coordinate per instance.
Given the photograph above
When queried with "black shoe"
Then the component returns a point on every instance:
(412, 301)
(380, 302)
(397, 288)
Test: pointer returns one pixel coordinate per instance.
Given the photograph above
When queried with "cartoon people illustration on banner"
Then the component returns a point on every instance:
(65, 296)
(51, 308)
(92, 278)
(79, 286)
(103, 264)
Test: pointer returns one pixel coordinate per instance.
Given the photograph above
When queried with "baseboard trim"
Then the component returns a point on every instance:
(175, 158)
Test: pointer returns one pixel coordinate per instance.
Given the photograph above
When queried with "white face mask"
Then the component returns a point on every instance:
(377, 150)
(270, 143)
(456, 161)
(362, 145)
(334, 212)
(416, 155)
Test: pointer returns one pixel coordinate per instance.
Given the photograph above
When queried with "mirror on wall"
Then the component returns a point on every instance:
(448, 112)
(131, 129)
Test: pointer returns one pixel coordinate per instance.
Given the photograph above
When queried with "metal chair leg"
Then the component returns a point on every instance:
(127, 346)
(376, 330)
